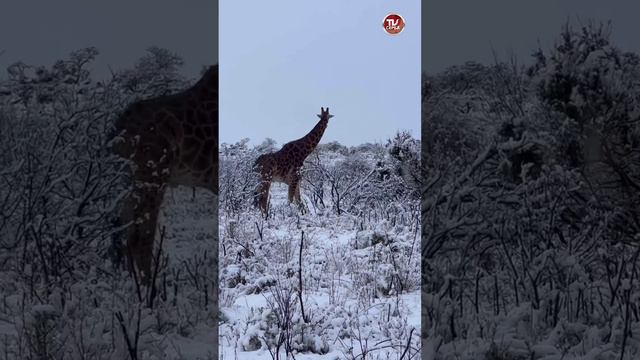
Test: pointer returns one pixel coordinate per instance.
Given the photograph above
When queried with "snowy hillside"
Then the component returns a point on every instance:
(64, 293)
(64, 290)
(341, 281)
(531, 205)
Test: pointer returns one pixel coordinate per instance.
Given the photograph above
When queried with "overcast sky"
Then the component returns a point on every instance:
(455, 31)
(41, 32)
(280, 61)
(285, 59)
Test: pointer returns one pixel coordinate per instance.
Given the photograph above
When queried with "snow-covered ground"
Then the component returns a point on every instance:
(531, 229)
(64, 289)
(352, 266)
(191, 235)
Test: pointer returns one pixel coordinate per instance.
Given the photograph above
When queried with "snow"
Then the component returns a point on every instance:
(345, 271)
(531, 250)
(65, 292)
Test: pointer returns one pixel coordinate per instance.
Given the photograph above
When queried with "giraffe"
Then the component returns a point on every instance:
(284, 165)
(170, 140)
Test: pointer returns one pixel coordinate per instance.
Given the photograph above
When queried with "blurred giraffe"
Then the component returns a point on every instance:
(170, 140)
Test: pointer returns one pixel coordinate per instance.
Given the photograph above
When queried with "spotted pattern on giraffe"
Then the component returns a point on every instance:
(285, 164)
(171, 140)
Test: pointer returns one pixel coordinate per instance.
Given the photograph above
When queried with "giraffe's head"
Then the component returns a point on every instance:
(324, 114)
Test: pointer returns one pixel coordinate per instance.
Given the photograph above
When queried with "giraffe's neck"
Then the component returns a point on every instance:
(208, 84)
(314, 136)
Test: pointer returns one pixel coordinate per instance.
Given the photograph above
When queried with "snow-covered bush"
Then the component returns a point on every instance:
(528, 205)
(294, 283)
(63, 290)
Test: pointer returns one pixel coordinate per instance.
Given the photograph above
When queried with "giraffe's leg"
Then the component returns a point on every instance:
(298, 199)
(294, 192)
(147, 199)
(262, 196)
(150, 180)
(146, 207)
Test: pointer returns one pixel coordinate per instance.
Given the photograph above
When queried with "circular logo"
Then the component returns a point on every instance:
(393, 24)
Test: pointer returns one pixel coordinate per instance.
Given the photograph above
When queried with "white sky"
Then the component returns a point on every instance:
(40, 32)
(455, 31)
(280, 61)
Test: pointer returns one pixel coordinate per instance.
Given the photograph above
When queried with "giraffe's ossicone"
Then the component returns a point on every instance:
(169, 140)
(285, 164)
